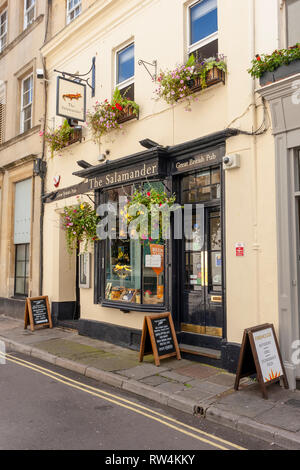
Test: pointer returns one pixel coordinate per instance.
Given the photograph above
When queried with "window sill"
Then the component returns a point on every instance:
(128, 307)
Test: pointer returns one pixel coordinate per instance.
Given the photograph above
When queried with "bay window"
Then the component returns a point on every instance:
(134, 269)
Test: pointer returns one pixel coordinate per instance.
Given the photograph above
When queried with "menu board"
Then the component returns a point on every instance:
(159, 338)
(163, 336)
(260, 354)
(37, 312)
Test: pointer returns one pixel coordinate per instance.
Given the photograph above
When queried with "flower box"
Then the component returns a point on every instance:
(281, 72)
(213, 76)
(127, 114)
(75, 136)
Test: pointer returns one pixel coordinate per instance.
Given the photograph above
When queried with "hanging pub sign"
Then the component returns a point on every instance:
(37, 312)
(159, 338)
(71, 99)
(260, 355)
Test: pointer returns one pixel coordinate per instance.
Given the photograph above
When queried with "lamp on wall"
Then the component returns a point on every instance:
(149, 144)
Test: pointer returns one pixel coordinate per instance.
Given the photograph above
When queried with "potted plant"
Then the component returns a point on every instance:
(183, 81)
(60, 137)
(107, 116)
(80, 224)
(280, 64)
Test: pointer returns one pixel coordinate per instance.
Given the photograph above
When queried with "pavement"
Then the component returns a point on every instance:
(185, 385)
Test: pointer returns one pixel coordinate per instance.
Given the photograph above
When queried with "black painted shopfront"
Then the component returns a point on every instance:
(189, 277)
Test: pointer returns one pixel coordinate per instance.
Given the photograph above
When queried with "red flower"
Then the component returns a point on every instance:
(148, 194)
(119, 107)
(113, 107)
(258, 57)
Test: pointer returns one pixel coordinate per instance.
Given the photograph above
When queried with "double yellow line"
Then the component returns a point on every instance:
(183, 428)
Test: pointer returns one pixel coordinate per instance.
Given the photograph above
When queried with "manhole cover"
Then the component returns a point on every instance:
(294, 403)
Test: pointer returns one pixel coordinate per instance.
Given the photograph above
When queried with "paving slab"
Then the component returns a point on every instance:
(175, 376)
(208, 387)
(222, 379)
(198, 371)
(281, 416)
(194, 394)
(154, 380)
(171, 387)
(142, 371)
(244, 404)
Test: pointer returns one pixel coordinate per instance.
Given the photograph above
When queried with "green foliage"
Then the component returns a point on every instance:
(80, 224)
(268, 63)
(152, 200)
(176, 84)
(105, 116)
(59, 138)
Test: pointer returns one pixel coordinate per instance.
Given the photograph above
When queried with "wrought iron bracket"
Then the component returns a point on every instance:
(153, 64)
(78, 78)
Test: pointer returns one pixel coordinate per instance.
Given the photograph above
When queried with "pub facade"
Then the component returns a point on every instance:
(208, 154)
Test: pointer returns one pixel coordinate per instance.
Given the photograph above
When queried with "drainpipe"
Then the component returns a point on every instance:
(255, 246)
(43, 174)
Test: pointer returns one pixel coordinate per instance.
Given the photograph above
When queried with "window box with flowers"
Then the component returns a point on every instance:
(182, 82)
(107, 116)
(270, 68)
(61, 137)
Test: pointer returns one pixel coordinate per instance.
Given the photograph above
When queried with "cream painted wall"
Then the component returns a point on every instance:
(158, 28)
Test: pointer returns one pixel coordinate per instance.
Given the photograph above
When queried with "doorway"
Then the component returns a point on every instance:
(201, 316)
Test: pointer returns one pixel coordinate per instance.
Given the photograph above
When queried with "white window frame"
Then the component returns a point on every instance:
(203, 42)
(26, 11)
(130, 80)
(5, 33)
(22, 127)
(69, 11)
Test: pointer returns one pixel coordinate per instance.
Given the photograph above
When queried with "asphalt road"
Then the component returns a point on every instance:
(46, 407)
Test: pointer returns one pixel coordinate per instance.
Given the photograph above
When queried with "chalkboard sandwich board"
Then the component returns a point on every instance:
(159, 338)
(260, 355)
(37, 312)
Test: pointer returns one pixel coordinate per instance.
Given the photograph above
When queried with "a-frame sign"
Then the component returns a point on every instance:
(260, 355)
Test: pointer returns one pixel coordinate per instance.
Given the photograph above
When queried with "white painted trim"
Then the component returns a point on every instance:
(26, 24)
(202, 42)
(30, 104)
(73, 9)
(130, 80)
(6, 32)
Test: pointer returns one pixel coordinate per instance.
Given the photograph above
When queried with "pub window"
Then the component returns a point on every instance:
(125, 71)
(29, 13)
(203, 29)
(73, 10)
(134, 269)
(26, 103)
(293, 21)
(3, 30)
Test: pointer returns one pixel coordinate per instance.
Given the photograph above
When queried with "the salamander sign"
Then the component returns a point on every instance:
(71, 99)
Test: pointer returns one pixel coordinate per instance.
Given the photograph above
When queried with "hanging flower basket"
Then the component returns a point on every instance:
(80, 224)
(107, 116)
(147, 204)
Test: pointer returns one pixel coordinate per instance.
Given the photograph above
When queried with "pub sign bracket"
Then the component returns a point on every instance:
(78, 78)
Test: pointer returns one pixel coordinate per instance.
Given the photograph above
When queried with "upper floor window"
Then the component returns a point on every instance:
(203, 29)
(125, 71)
(3, 30)
(73, 9)
(26, 103)
(293, 21)
(29, 12)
